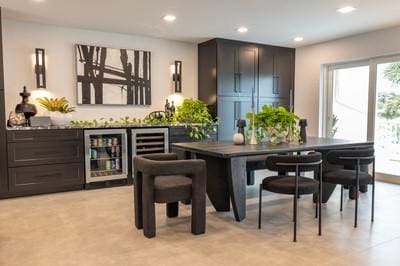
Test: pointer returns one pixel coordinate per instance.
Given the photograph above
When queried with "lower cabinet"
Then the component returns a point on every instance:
(45, 177)
(44, 161)
(230, 110)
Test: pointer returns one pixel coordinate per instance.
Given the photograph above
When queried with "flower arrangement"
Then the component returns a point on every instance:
(56, 105)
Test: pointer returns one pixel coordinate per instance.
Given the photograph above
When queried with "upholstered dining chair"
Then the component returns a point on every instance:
(162, 178)
(294, 185)
(352, 159)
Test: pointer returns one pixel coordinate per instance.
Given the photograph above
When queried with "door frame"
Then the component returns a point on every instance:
(326, 98)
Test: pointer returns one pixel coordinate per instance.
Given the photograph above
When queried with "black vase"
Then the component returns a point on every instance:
(303, 130)
(241, 124)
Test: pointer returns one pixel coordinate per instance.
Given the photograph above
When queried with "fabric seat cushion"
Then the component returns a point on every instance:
(286, 185)
(172, 188)
(346, 177)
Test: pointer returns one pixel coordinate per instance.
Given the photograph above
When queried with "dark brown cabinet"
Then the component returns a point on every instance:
(233, 74)
(43, 161)
(3, 141)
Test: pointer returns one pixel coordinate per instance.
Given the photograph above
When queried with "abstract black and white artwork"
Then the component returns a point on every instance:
(113, 76)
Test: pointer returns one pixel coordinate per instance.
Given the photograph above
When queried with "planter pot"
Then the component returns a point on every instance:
(60, 119)
(276, 135)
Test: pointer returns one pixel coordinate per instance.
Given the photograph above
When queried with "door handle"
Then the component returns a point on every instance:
(236, 113)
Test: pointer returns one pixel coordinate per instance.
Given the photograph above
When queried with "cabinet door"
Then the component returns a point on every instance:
(231, 109)
(283, 73)
(237, 69)
(227, 69)
(266, 72)
(248, 59)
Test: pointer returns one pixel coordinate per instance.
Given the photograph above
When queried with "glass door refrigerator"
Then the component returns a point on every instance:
(106, 155)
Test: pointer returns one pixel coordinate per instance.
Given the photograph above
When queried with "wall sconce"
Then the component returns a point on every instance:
(40, 68)
(177, 77)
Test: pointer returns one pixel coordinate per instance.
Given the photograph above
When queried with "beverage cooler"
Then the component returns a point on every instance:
(106, 154)
(148, 141)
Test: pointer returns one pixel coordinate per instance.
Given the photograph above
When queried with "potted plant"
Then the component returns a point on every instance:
(59, 110)
(276, 123)
(195, 115)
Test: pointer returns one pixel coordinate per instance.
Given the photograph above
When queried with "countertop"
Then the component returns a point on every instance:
(95, 127)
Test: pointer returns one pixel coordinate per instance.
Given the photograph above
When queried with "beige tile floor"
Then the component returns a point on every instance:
(96, 228)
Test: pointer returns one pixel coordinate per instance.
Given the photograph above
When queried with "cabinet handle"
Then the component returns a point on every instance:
(236, 112)
(275, 89)
(291, 103)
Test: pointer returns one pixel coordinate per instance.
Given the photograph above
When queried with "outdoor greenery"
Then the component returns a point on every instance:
(389, 104)
(56, 105)
(275, 123)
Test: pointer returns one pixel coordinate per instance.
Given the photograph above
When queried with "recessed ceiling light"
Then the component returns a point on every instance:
(346, 9)
(38, 1)
(169, 18)
(242, 30)
(298, 39)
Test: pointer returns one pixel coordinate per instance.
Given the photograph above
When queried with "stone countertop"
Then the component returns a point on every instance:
(95, 127)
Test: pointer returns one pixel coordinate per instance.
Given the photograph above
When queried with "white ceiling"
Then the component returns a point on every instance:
(269, 21)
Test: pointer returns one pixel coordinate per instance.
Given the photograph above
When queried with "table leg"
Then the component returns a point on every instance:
(236, 169)
(217, 184)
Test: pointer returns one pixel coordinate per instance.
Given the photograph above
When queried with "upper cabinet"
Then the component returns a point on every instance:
(276, 72)
(235, 75)
(237, 69)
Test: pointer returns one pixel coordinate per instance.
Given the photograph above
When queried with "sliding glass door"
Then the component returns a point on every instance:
(387, 117)
(363, 103)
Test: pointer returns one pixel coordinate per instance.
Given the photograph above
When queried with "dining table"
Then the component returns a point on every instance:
(226, 165)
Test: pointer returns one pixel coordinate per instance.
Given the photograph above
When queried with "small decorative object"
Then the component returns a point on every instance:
(113, 76)
(238, 139)
(59, 110)
(40, 68)
(177, 76)
(303, 131)
(241, 124)
(25, 107)
(253, 139)
(40, 121)
(16, 119)
(277, 124)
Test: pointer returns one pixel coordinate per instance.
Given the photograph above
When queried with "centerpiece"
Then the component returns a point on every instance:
(275, 123)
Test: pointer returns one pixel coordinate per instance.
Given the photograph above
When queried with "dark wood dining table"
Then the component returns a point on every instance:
(226, 166)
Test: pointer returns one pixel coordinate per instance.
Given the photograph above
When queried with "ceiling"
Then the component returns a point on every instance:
(269, 21)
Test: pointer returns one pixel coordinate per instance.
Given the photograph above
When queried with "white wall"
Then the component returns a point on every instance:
(309, 60)
(20, 40)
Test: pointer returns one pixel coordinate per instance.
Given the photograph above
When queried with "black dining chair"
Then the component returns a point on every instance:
(352, 176)
(294, 185)
(162, 178)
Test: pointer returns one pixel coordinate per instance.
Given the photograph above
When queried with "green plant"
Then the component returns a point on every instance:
(392, 73)
(195, 115)
(389, 105)
(56, 105)
(276, 123)
(335, 128)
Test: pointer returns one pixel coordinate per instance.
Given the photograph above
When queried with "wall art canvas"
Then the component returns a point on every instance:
(113, 76)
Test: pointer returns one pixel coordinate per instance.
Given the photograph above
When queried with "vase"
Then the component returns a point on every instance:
(276, 135)
(60, 119)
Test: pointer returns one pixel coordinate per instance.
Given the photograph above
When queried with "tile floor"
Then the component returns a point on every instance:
(96, 228)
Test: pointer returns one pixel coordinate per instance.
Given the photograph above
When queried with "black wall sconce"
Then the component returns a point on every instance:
(40, 68)
(177, 77)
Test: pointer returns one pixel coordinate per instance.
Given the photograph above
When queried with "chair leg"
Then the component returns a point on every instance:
(250, 178)
(295, 218)
(316, 207)
(356, 209)
(341, 197)
(172, 209)
(259, 207)
(320, 212)
(149, 220)
(373, 202)
(199, 214)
